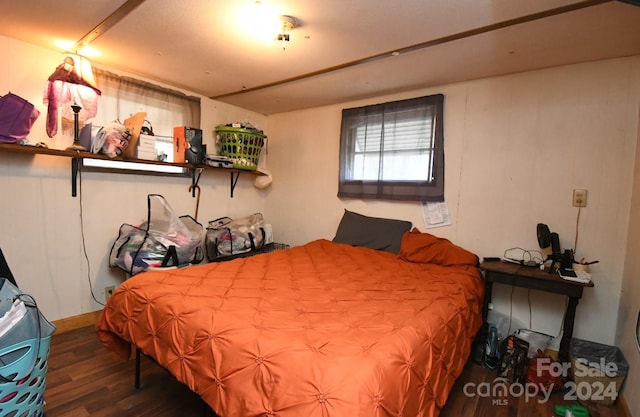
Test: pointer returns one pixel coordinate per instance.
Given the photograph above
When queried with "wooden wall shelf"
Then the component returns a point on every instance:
(77, 156)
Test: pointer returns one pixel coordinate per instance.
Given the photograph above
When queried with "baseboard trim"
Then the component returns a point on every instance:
(622, 408)
(76, 322)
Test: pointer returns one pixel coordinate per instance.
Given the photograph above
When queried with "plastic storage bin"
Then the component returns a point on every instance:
(535, 339)
(598, 371)
(243, 146)
(24, 353)
(164, 240)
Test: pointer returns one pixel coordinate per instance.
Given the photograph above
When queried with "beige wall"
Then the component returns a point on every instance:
(515, 148)
(630, 299)
(41, 228)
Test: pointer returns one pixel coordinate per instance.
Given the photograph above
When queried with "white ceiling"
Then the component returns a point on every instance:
(341, 51)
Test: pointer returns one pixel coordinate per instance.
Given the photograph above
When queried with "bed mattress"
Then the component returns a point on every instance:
(322, 329)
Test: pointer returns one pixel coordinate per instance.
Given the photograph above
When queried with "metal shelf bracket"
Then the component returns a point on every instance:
(75, 167)
(233, 181)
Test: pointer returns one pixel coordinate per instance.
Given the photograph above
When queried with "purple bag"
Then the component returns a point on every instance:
(17, 116)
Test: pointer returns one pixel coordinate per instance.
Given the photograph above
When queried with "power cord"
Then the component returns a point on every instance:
(84, 243)
(575, 243)
(530, 314)
(529, 257)
(513, 287)
(638, 331)
(564, 315)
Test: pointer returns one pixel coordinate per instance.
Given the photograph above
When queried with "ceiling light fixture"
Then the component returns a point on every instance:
(422, 45)
(288, 24)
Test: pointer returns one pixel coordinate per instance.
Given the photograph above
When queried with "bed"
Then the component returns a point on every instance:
(324, 329)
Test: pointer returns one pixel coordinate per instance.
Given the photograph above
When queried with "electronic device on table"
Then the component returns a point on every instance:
(549, 243)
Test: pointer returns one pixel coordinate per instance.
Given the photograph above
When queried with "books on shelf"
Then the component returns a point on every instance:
(147, 141)
(147, 148)
(142, 153)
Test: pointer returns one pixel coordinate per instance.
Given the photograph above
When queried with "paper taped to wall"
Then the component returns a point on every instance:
(436, 214)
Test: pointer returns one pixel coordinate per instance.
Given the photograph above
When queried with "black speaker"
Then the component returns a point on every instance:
(555, 244)
(544, 235)
(195, 152)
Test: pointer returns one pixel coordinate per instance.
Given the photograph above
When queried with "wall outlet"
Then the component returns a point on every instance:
(108, 292)
(579, 198)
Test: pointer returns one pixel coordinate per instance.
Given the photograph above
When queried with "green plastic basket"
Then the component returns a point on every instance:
(243, 146)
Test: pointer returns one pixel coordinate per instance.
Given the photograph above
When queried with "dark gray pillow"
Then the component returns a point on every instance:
(371, 232)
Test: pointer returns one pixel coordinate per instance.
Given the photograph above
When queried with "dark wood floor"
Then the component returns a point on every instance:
(85, 379)
(466, 402)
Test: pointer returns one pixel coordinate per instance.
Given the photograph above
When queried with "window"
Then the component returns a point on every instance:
(123, 96)
(393, 151)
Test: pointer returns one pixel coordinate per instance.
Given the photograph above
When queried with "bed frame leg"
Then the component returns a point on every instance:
(207, 411)
(137, 377)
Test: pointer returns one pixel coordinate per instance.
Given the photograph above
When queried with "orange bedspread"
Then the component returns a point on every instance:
(322, 329)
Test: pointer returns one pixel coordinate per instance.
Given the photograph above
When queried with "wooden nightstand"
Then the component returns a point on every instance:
(534, 278)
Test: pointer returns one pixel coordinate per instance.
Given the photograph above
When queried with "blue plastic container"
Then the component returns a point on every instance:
(24, 354)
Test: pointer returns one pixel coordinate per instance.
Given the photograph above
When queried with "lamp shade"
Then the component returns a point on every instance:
(83, 69)
(76, 69)
(72, 82)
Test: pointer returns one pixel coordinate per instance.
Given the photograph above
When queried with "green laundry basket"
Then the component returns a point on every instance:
(243, 146)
